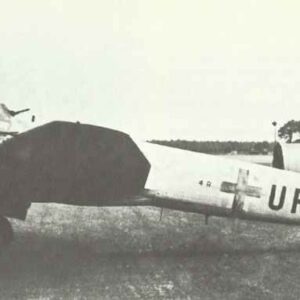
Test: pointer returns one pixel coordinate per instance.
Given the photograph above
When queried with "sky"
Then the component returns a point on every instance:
(157, 69)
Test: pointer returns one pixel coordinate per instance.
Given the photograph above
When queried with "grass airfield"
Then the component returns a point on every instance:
(265, 160)
(67, 252)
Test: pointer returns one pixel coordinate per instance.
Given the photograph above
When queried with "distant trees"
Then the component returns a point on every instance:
(288, 130)
(216, 147)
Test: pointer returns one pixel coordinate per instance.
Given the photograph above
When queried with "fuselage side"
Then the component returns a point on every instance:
(215, 185)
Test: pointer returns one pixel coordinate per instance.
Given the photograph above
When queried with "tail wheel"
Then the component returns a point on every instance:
(6, 231)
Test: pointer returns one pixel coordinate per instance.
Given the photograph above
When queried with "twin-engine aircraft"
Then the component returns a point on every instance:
(77, 164)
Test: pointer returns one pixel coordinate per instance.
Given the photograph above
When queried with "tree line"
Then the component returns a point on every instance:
(218, 147)
(289, 132)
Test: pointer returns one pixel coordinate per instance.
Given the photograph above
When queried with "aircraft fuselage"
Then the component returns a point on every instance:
(219, 186)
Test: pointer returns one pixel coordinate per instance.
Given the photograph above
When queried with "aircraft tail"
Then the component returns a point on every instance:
(14, 113)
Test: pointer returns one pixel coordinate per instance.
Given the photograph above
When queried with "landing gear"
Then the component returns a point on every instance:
(6, 232)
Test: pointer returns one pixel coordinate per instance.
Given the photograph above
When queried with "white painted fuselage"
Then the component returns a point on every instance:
(215, 185)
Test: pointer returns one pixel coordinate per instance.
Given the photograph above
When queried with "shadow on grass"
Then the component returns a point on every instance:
(37, 261)
(30, 247)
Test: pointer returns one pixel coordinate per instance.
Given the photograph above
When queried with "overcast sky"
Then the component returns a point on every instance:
(156, 69)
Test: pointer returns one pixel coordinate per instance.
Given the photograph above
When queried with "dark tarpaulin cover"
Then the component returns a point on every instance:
(69, 163)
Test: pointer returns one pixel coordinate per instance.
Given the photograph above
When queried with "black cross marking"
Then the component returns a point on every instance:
(241, 189)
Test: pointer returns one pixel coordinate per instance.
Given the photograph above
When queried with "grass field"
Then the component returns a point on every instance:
(259, 159)
(63, 252)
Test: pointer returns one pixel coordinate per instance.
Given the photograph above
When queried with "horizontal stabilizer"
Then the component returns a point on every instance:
(15, 113)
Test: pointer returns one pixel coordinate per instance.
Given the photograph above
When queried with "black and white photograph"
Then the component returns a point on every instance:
(149, 149)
